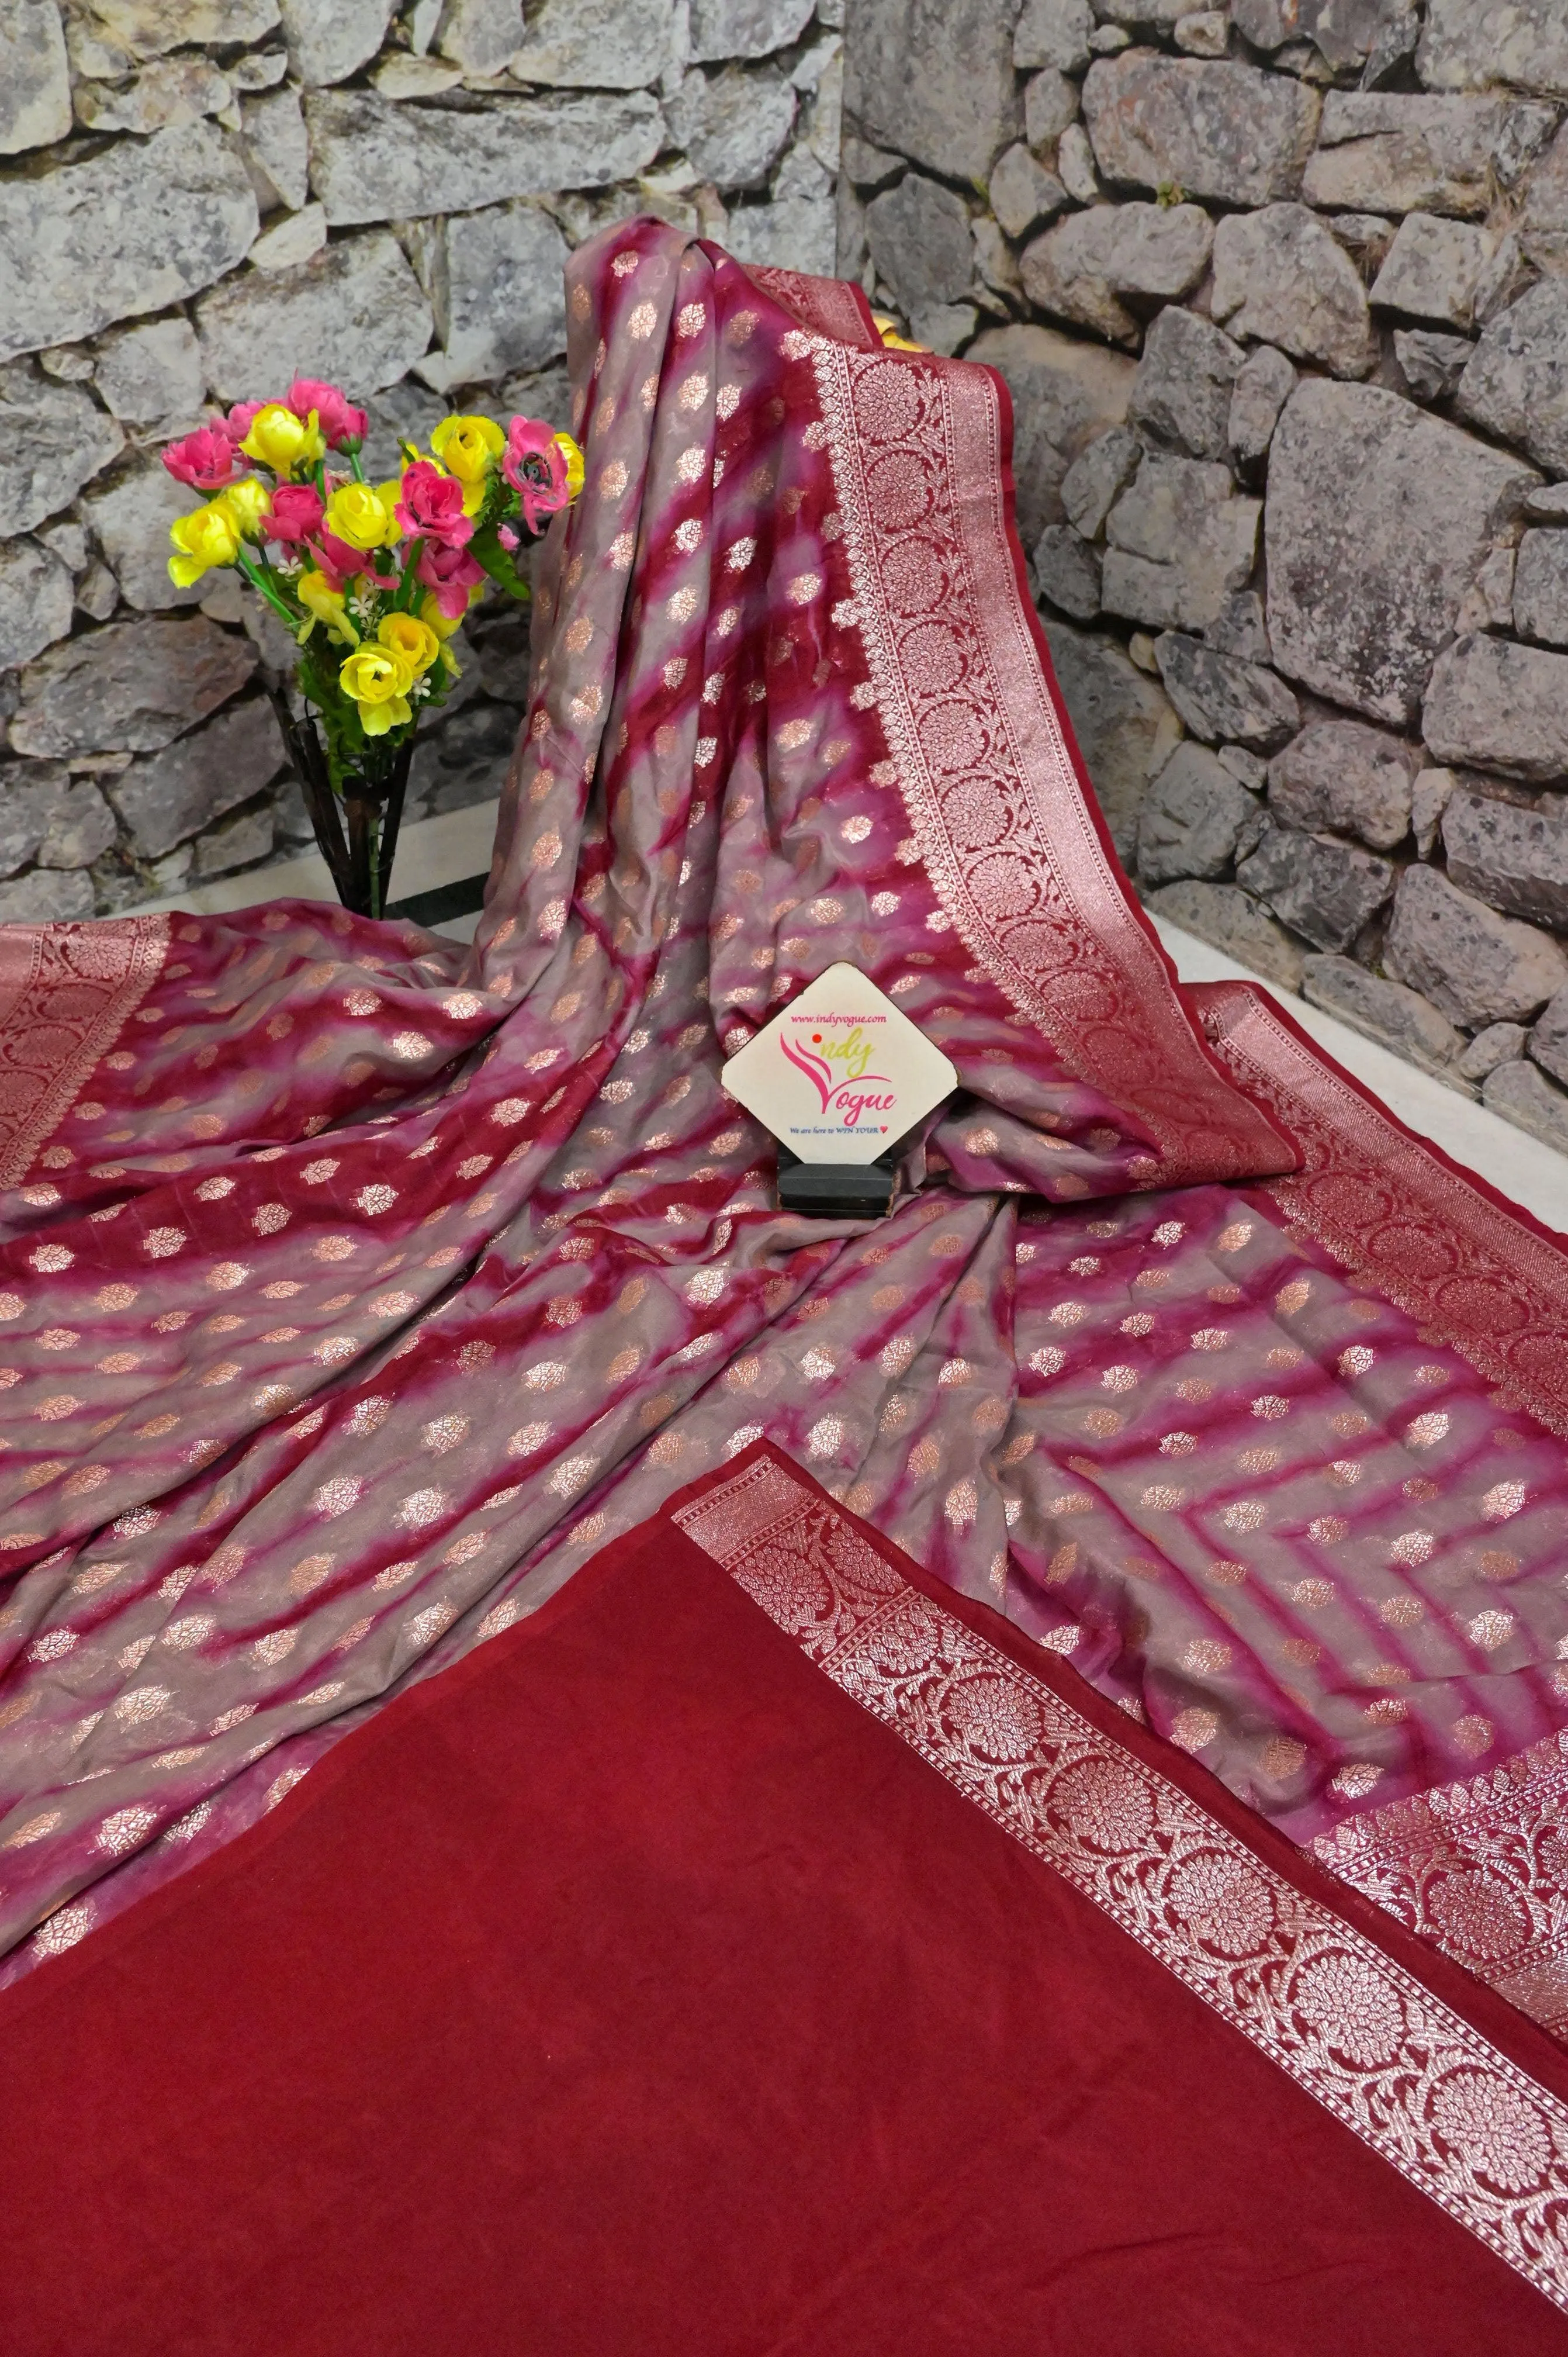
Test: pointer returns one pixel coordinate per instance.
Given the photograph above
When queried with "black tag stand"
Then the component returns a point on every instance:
(848, 1190)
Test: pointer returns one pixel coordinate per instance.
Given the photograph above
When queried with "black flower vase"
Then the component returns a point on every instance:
(357, 831)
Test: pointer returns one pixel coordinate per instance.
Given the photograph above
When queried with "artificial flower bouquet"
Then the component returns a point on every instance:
(371, 579)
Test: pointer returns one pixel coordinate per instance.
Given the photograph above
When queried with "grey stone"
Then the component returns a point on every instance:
(1107, 40)
(746, 29)
(132, 687)
(1489, 603)
(36, 600)
(483, 36)
(1053, 33)
(277, 148)
(151, 372)
(170, 91)
(1494, 706)
(148, 29)
(1543, 221)
(1250, 768)
(1232, 921)
(1023, 192)
(1432, 364)
(1433, 270)
(329, 40)
(1205, 33)
(1219, 696)
(66, 363)
(465, 760)
(1464, 46)
(919, 240)
(1050, 104)
(933, 79)
(1549, 1040)
(98, 593)
(1345, 31)
(1239, 628)
(1547, 503)
(1527, 1098)
(1320, 886)
(735, 126)
(52, 440)
(131, 511)
(1350, 778)
(1385, 1011)
(1367, 236)
(1264, 382)
(1539, 601)
(1516, 386)
(69, 543)
(1379, 517)
(238, 842)
(1065, 395)
(1195, 819)
(795, 233)
(80, 828)
(1123, 723)
(371, 160)
(587, 44)
(1093, 481)
(1224, 130)
(184, 212)
(34, 81)
(943, 327)
(1078, 269)
(995, 263)
(1515, 861)
(1476, 967)
(356, 308)
(494, 279)
(47, 897)
(1067, 570)
(1182, 393)
(1179, 541)
(403, 76)
(1505, 276)
(171, 797)
(259, 71)
(1279, 277)
(1499, 1043)
(1401, 152)
(1074, 163)
(32, 793)
(297, 237)
(1428, 800)
(1526, 129)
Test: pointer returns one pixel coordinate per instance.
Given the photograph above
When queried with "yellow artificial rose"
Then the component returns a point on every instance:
(468, 448)
(378, 680)
(362, 516)
(324, 604)
(414, 641)
(206, 537)
(573, 457)
(249, 501)
(442, 624)
(283, 441)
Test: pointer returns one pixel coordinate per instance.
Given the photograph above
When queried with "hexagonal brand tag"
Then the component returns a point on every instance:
(840, 1073)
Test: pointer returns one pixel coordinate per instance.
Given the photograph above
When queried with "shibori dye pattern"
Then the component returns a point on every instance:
(359, 1290)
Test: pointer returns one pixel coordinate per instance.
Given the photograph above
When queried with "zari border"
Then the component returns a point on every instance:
(981, 759)
(1472, 1272)
(71, 990)
(1416, 2082)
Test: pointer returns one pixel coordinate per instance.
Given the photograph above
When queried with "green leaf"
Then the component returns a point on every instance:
(486, 548)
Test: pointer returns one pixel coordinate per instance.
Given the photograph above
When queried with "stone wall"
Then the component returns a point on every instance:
(198, 198)
(1281, 291)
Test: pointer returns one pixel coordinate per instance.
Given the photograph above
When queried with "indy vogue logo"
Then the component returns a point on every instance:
(851, 1094)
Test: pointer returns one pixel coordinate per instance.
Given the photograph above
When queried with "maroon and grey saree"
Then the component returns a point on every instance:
(355, 1288)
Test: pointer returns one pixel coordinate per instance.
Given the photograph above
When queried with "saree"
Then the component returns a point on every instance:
(760, 1949)
(1178, 1351)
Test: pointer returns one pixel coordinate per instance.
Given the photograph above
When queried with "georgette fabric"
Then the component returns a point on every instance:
(356, 1289)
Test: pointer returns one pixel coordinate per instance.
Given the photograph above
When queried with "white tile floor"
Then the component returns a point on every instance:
(441, 850)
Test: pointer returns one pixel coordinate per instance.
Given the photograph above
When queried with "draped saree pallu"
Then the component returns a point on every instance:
(355, 1287)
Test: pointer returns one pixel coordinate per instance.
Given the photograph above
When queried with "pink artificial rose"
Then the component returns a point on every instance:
(535, 467)
(451, 572)
(431, 508)
(206, 459)
(296, 513)
(340, 422)
(241, 419)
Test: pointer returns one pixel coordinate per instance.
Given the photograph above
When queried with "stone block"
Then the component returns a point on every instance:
(1548, 1041)
(1195, 819)
(32, 793)
(1123, 722)
(1186, 379)
(1067, 570)
(1203, 33)
(329, 40)
(1428, 801)
(1079, 268)
(918, 234)
(1432, 364)
(1225, 130)
(1540, 599)
(793, 234)
(1050, 104)
(1515, 385)
(1219, 696)
(1238, 628)
(81, 827)
(357, 308)
(170, 797)
(1547, 503)
(464, 760)
(98, 593)
(1093, 481)
(130, 688)
(495, 283)
(1385, 1011)
(1476, 967)
(1053, 33)
(1178, 541)
(1250, 768)
(1527, 1098)
(1349, 778)
(151, 372)
(735, 126)
(171, 90)
(237, 842)
(1433, 270)
(1379, 518)
(139, 225)
(1023, 193)
(1065, 395)
(149, 29)
(36, 595)
(277, 149)
(1231, 919)
(35, 79)
(295, 239)
(1499, 1043)
(131, 511)
(53, 439)
(933, 79)
(401, 75)
(1345, 32)
(745, 29)
(482, 37)
(1402, 152)
(47, 897)
(1464, 47)
(1320, 886)
(1494, 706)
(1264, 382)
(1279, 278)
(372, 161)
(1074, 163)
(1514, 859)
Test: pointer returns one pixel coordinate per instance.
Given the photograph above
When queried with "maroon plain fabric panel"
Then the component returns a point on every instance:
(629, 1989)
